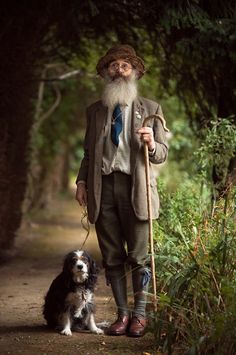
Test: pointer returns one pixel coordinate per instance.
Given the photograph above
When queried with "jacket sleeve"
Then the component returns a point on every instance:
(83, 171)
(159, 128)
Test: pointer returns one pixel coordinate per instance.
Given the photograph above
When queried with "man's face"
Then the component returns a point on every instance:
(119, 68)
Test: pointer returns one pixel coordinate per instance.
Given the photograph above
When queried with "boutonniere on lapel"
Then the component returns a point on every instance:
(138, 115)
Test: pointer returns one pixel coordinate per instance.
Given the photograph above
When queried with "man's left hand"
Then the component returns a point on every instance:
(147, 136)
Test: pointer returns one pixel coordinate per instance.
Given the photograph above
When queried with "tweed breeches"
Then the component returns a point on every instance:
(122, 237)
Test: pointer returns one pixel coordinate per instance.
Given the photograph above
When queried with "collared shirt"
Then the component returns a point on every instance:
(118, 158)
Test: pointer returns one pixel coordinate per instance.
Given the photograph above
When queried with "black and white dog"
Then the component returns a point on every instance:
(69, 300)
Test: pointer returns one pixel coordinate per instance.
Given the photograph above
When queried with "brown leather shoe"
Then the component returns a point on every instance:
(119, 326)
(137, 326)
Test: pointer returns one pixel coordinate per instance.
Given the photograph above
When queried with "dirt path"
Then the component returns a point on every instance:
(26, 278)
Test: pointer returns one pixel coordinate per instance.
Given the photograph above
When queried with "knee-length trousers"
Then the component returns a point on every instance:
(122, 237)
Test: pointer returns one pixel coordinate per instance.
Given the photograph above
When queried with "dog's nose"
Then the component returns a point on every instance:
(80, 267)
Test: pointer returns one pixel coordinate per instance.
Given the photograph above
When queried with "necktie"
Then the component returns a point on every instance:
(116, 126)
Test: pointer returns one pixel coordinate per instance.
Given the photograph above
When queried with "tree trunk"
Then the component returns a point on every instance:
(17, 89)
(15, 134)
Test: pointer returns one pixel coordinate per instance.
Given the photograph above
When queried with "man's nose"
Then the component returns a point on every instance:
(120, 69)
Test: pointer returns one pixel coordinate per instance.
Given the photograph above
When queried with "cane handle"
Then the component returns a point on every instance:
(155, 116)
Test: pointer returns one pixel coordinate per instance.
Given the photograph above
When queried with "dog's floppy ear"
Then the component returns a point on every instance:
(66, 263)
(93, 273)
(66, 271)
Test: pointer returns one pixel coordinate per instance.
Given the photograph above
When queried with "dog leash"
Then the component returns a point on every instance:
(85, 224)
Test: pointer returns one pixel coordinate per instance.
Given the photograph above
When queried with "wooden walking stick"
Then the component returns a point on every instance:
(149, 205)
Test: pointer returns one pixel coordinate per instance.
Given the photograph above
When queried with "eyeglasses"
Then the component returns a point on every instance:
(123, 66)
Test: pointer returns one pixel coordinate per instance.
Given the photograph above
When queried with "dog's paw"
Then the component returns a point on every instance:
(104, 324)
(98, 331)
(66, 331)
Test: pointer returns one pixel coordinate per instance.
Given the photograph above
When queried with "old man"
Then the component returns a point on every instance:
(111, 180)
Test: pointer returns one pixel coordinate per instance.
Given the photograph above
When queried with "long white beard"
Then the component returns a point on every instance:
(121, 91)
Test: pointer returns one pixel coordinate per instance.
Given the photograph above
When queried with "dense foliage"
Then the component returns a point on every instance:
(196, 274)
(195, 258)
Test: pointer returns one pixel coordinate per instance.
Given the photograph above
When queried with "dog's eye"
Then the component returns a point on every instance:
(74, 260)
(85, 260)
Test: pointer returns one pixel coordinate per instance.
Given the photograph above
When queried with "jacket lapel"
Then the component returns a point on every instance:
(100, 121)
(99, 126)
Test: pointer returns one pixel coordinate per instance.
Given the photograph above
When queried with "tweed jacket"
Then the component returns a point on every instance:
(91, 165)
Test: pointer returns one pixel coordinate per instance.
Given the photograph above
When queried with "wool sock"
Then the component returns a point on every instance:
(140, 279)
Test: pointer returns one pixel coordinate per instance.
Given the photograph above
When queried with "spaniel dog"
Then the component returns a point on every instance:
(69, 300)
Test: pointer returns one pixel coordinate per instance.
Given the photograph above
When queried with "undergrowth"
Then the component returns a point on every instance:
(195, 258)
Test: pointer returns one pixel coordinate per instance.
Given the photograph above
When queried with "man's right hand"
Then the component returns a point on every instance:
(81, 194)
